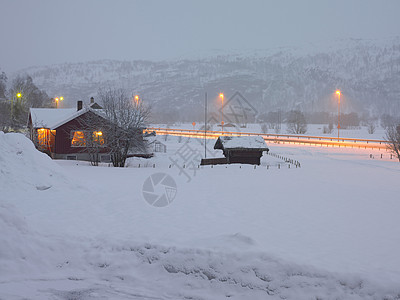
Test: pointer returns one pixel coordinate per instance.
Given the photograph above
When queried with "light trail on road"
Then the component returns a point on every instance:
(278, 138)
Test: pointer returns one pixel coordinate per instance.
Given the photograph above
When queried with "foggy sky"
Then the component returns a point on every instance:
(42, 32)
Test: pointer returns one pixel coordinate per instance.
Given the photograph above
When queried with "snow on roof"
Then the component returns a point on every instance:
(237, 142)
(52, 118)
(48, 117)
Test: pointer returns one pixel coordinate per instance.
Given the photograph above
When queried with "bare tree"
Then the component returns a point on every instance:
(264, 128)
(5, 118)
(387, 120)
(296, 122)
(126, 120)
(328, 129)
(3, 85)
(393, 139)
(5, 112)
(371, 127)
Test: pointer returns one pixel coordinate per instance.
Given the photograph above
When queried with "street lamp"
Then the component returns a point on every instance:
(338, 93)
(221, 95)
(57, 99)
(137, 100)
(19, 96)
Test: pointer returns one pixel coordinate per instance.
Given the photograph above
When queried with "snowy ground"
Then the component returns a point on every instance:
(327, 230)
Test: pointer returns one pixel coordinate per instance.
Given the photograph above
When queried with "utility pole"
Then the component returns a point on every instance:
(338, 92)
(205, 125)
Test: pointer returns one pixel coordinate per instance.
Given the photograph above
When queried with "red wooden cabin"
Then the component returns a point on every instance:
(61, 132)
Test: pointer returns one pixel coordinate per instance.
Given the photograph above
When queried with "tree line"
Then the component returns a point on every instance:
(16, 100)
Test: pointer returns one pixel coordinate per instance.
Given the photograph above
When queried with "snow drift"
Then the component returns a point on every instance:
(23, 168)
(38, 262)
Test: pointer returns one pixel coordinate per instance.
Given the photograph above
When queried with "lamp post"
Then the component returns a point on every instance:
(137, 100)
(18, 95)
(221, 95)
(57, 99)
(338, 93)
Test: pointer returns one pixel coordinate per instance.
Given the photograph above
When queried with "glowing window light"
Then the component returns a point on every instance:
(78, 139)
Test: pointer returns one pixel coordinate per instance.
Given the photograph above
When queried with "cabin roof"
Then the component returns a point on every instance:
(53, 118)
(241, 143)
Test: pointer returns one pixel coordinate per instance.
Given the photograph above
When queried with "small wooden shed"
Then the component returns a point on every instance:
(239, 150)
(242, 149)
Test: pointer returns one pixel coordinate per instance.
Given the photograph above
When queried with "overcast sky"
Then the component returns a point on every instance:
(41, 32)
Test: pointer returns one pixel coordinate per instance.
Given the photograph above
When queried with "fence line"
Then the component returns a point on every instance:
(290, 161)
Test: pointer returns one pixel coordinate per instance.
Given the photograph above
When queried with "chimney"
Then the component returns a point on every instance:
(91, 100)
(79, 105)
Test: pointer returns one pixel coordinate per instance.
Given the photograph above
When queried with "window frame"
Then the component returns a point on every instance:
(96, 141)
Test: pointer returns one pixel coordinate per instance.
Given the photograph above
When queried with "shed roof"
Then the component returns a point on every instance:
(241, 142)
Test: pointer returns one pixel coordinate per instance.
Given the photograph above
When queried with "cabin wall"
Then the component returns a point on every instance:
(63, 139)
(243, 157)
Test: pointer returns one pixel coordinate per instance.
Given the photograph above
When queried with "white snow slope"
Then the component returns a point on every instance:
(327, 230)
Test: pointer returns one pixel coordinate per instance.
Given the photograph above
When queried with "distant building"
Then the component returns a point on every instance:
(239, 150)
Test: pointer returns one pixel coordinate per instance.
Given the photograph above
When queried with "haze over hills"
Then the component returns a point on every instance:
(367, 72)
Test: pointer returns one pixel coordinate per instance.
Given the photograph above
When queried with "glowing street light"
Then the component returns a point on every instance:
(221, 95)
(338, 93)
(137, 99)
(57, 99)
(19, 96)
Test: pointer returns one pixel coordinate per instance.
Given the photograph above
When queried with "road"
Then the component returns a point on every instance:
(279, 138)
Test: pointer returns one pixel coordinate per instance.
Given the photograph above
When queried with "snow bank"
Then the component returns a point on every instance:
(18, 247)
(23, 168)
(106, 242)
(25, 174)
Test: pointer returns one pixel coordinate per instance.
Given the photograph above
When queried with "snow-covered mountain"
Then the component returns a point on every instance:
(367, 72)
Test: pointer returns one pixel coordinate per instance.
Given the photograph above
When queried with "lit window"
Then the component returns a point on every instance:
(42, 137)
(78, 139)
(82, 138)
(45, 138)
(98, 137)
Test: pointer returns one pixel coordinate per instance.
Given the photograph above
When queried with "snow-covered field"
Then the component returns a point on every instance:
(327, 230)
